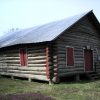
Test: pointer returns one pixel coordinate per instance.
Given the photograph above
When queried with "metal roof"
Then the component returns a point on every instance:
(43, 33)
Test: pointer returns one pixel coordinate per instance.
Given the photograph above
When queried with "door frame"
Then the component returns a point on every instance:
(84, 60)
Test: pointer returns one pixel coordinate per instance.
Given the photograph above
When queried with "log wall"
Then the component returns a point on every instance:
(36, 68)
(78, 36)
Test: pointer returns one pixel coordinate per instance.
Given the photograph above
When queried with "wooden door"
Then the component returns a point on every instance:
(88, 60)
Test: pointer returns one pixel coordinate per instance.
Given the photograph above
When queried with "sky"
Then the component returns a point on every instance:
(29, 13)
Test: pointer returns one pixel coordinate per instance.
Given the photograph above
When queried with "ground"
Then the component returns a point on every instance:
(83, 90)
(25, 96)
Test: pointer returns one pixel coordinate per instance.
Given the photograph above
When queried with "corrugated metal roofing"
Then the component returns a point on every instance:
(47, 32)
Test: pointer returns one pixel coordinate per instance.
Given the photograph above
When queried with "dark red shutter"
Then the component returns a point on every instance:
(23, 57)
(70, 56)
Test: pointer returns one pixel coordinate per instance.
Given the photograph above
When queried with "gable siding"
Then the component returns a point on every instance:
(78, 36)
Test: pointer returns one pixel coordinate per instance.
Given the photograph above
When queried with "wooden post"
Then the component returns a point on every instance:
(77, 77)
(12, 77)
(56, 79)
(29, 79)
(50, 82)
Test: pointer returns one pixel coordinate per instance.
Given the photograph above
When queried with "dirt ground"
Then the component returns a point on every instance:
(25, 96)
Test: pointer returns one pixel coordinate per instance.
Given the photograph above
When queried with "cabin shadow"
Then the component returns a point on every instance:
(68, 80)
(72, 79)
(23, 79)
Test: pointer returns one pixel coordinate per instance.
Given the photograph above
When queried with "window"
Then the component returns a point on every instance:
(23, 57)
(70, 56)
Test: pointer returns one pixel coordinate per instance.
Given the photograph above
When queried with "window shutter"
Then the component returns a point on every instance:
(70, 56)
(23, 57)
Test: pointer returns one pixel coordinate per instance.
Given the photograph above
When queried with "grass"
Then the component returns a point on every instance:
(84, 90)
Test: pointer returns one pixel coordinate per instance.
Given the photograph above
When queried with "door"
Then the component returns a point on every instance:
(88, 60)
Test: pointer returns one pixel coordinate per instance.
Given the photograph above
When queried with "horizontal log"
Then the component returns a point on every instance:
(11, 60)
(36, 50)
(23, 72)
(61, 58)
(55, 57)
(61, 63)
(64, 66)
(36, 54)
(97, 67)
(32, 65)
(70, 73)
(77, 43)
(2, 61)
(37, 57)
(13, 64)
(37, 61)
(77, 63)
(61, 55)
(23, 68)
(70, 69)
(12, 57)
(79, 60)
(37, 64)
(38, 77)
(12, 54)
(28, 72)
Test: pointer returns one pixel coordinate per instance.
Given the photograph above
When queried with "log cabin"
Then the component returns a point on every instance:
(48, 52)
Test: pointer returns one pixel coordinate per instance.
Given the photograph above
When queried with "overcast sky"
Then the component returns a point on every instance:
(28, 13)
